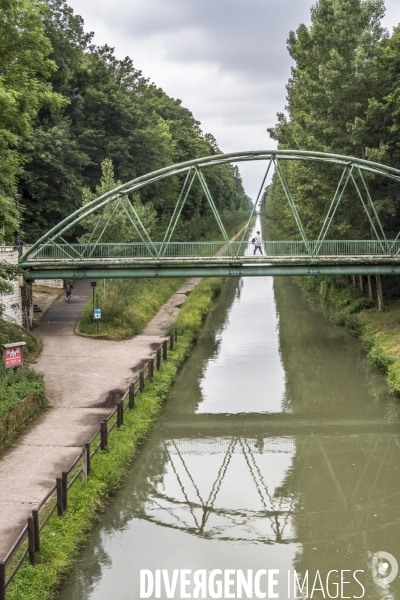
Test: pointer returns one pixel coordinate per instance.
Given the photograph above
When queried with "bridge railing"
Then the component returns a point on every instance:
(200, 250)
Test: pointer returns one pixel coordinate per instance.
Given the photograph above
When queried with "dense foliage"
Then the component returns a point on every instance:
(343, 97)
(66, 105)
(16, 384)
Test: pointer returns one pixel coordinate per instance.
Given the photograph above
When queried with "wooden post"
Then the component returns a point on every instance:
(64, 477)
(158, 359)
(2, 580)
(361, 278)
(31, 540)
(381, 306)
(141, 381)
(59, 486)
(131, 403)
(87, 446)
(84, 465)
(120, 413)
(35, 515)
(151, 369)
(370, 288)
(354, 281)
(103, 435)
(176, 334)
(164, 350)
(171, 341)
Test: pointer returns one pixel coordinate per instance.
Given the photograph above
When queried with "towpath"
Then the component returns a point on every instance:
(84, 378)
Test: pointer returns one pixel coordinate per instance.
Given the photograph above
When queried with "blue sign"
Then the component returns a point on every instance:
(97, 314)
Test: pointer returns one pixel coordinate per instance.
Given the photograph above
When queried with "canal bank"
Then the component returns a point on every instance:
(61, 539)
(274, 452)
(349, 305)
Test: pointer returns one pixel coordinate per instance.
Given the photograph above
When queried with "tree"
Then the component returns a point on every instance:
(114, 219)
(24, 62)
(328, 100)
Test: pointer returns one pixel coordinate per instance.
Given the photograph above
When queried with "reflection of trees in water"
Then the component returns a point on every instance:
(206, 347)
(325, 366)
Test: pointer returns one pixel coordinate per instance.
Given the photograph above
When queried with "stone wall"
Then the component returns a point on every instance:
(18, 305)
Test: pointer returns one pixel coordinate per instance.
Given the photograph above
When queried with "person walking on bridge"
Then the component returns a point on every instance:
(257, 243)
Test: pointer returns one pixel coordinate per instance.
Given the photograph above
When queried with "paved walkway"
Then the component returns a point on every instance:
(84, 378)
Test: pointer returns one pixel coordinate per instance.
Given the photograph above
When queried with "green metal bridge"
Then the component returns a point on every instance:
(53, 257)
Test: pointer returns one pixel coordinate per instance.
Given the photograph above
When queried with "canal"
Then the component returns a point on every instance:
(277, 451)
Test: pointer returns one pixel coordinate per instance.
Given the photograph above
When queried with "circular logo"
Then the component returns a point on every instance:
(384, 568)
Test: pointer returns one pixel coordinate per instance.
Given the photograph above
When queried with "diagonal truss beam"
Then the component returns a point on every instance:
(291, 203)
(333, 207)
(190, 177)
(214, 209)
(383, 243)
(141, 229)
(254, 207)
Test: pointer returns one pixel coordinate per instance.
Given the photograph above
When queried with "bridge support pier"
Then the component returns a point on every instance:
(370, 288)
(362, 288)
(381, 306)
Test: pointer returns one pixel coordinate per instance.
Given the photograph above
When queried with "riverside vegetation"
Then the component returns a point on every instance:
(16, 384)
(62, 537)
(343, 97)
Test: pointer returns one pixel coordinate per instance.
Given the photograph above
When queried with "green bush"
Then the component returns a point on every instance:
(394, 377)
(16, 384)
(380, 359)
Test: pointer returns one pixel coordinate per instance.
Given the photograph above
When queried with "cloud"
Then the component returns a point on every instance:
(226, 60)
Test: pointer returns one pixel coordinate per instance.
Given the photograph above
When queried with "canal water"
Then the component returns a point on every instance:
(276, 459)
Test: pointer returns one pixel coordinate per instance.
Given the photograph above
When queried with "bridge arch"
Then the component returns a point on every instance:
(53, 241)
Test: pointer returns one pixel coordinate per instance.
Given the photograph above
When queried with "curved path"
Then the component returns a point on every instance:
(84, 378)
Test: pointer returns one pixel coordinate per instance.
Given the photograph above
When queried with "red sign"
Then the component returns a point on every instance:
(13, 356)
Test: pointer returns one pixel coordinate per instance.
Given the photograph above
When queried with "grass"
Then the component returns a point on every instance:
(127, 306)
(16, 384)
(62, 538)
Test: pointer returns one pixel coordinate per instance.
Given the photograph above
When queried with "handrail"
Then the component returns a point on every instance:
(137, 386)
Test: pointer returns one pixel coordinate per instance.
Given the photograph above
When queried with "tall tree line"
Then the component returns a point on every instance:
(343, 97)
(67, 105)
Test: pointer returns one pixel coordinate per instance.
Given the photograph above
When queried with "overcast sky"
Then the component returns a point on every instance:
(225, 59)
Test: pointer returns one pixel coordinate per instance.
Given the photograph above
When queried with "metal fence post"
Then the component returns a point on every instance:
(35, 515)
(2, 580)
(158, 359)
(164, 350)
(103, 435)
(141, 381)
(131, 396)
(31, 540)
(59, 487)
(64, 477)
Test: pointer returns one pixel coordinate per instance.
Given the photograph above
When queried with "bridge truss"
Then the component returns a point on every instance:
(53, 257)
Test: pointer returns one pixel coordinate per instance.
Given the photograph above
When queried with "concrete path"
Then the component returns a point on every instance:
(84, 378)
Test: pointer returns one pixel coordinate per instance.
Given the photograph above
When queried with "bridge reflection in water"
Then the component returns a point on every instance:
(237, 496)
(311, 484)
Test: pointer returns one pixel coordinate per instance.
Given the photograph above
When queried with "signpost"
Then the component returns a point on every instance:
(97, 314)
(13, 354)
(93, 284)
